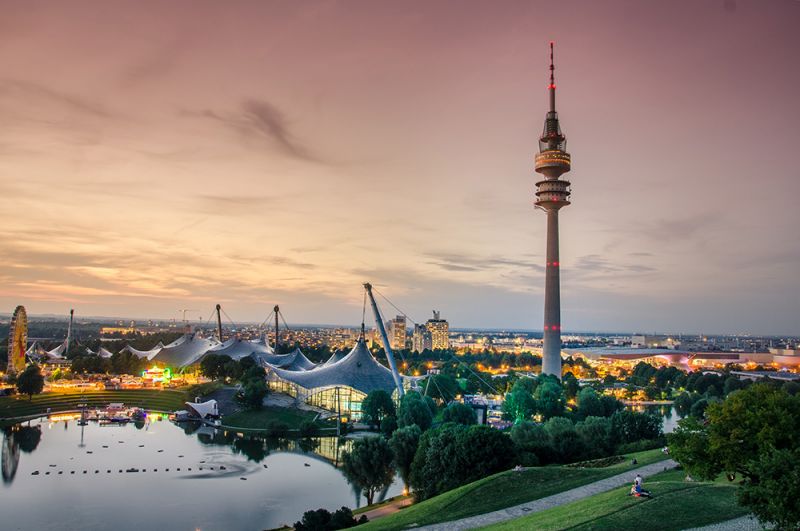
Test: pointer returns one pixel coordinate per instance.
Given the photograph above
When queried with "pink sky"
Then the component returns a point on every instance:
(158, 156)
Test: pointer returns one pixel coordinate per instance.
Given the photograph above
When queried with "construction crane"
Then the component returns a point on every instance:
(385, 339)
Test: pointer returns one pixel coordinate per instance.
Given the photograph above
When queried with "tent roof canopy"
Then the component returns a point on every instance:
(358, 369)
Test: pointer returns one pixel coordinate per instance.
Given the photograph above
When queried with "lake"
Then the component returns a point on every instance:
(667, 412)
(189, 477)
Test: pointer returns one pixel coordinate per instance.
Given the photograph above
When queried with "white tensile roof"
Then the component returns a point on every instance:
(293, 361)
(358, 369)
(238, 348)
(149, 354)
(57, 352)
(185, 351)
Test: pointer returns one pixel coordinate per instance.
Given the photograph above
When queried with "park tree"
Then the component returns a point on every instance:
(596, 434)
(404, 443)
(684, 402)
(754, 434)
(570, 385)
(483, 451)
(214, 366)
(30, 381)
(368, 466)
(550, 400)
(414, 409)
(459, 413)
(589, 404)
(444, 387)
(376, 406)
(519, 404)
(631, 426)
(566, 442)
(435, 466)
(775, 496)
(254, 388)
(611, 405)
(532, 442)
(452, 455)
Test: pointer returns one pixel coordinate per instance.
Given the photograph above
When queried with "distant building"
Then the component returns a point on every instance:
(439, 330)
(421, 339)
(397, 332)
(646, 341)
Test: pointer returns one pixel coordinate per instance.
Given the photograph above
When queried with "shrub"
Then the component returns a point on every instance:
(323, 520)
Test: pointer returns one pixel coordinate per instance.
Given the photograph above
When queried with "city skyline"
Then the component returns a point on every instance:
(220, 157)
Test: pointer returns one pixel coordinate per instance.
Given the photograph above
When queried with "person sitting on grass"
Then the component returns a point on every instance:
(637, 490)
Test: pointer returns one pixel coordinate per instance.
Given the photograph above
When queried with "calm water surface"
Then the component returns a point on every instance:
(244, 484)
(668, 414)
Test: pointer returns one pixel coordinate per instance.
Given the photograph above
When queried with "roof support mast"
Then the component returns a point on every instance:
(69, 330)
(385, 340)
(277, 311)
(219, 323)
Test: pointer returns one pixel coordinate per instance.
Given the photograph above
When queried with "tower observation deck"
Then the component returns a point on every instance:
(552, 194)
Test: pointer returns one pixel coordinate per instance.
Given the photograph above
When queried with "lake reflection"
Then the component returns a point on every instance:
(64, 476)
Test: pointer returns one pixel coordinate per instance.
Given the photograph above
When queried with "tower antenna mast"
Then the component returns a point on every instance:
(552, 194)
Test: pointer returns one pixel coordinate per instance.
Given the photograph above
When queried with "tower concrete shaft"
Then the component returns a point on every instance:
(552, 194)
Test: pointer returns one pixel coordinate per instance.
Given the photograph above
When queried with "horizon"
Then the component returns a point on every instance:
(210, 323)
(287, 152)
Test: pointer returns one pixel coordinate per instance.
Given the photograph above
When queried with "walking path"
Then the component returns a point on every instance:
(555, 500)
(745, 523)
(387, 508)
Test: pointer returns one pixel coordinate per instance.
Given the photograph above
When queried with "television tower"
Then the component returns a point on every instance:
(552, 194)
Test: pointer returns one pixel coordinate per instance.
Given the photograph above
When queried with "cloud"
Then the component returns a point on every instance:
(464, 262)
(26, 90)
(259, 118)
(682, 228)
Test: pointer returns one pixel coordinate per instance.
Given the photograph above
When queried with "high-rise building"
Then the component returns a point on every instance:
(439, 331)
(552, 194)
(397, 332)
(421, 339)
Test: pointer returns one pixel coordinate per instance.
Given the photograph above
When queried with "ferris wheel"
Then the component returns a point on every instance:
(17, 340)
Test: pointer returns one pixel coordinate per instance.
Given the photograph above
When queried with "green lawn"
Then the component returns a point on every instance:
(20, 406)
(260, 418)
(676, 504)
(505, 489)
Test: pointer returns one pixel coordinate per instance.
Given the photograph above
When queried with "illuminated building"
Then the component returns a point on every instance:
(421, 339)
(339, 386)
(552, 194)
(397, 332)
(439, 331)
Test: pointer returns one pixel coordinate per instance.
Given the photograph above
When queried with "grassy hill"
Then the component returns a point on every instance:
(505, 489)
(676, 504)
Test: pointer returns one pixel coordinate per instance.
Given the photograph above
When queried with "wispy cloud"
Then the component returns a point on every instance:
(24, 90)
(262, 119)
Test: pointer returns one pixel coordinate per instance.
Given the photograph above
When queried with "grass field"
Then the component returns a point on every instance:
(20, 406)
(505, 489)
(260, 419)
(676, 504)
